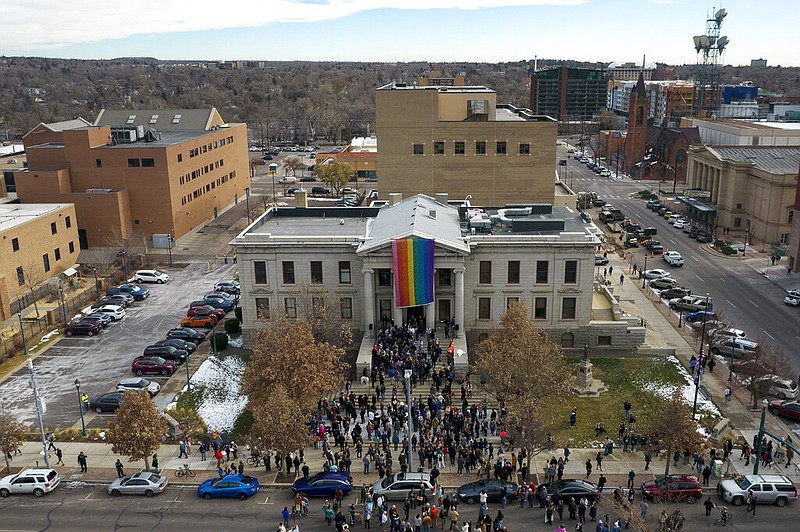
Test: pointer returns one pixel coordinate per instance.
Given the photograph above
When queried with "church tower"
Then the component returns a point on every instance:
(636, 139)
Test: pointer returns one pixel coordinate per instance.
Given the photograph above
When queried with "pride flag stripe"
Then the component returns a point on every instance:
(413, 267)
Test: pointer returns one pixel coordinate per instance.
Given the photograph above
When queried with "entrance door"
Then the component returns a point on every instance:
(417, 313)
(83, 240)
(444, 310)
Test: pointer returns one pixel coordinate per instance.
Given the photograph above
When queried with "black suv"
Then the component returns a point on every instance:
(167, 352)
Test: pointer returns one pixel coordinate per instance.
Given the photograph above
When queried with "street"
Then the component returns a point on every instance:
(80, 507)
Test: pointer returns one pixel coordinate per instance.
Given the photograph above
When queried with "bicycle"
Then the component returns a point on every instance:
(725, 518)
(254, 460)
(184, 471)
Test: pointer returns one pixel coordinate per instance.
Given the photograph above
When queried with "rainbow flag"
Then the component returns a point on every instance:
(413, 271)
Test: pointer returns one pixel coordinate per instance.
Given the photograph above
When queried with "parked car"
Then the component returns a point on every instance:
(37, 481)
(673, 488)
(495, 491)
(663, 282)
(674, 292)
(291, 191)
(574, 488)
(152, 366)
(691, 303)
(790, 409)
(726, 333)
(197, 320)
(402, 485)
(308, 179)
(792, 298)
(186, 333)
(769, 489)
(774, 386)
(167, 352)
(100, 317)
(83, 327)
(205, 309)
(230, 487)
(138, 293)
(150, 276)
(121, 300)
(656, 273)
(115, 312)
(703, 237)
(229, 286)
(142, 483)
(655, 246)
(189, 347)
(673, 258)
(323, 484)
(321, 191)
(734, 348)
(679, 224)
(222, 295)
(600, 260)
(223, 304)
(107, 402)
(702, 315)
(138, 384)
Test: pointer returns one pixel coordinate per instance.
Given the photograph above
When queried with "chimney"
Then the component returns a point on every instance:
(395, 198)
(441, 197)
(301, 199)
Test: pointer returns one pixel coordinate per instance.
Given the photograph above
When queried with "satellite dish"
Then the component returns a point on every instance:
(697, 45)
(711, 40)
(722, 42)
(719, 15)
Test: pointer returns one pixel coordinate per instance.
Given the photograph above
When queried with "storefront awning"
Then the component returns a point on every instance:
(699, 206)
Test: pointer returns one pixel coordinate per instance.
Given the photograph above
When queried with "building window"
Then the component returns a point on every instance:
(510, 301)
(540, 308)
(344, 272)
(180, 157)
(524, 148)
(98, 163)
(316, 272)
(445, 277)
(791, 216)
(570, 272)
(262, 308)
(513, 272)
(318, 307)
(737, 222)
(57, 253)
(72, 247)
(501, 148)
(485, 272)
(46, 262)
(480, 147)
(460, 147)
(148, 163)
(20, 275)
(418, 149)
(567, 340)
(288, 272)
(542, 267)
(385, 308)
(346, 306)
(784, 238)
(290, 307)
(68, 222)
(259, 272)
(133, 163)
(15, 244)
(438, 147)
(384, 277)
(53, 228)
(604, 341)
(568, 305)
(738, 206)
(484, 308)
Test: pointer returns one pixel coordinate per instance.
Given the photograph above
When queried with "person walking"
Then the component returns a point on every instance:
(647, 459)
(154, 463)
(706, 475)
(709, 505)
(727, 393)
(82, 462)
(118, 467)
(751, 502)
(573, 417)
(588, 468)
(60, 457)
(621, 279)
(631, 477)
(85, 401)
(789, 456)
(182, 450)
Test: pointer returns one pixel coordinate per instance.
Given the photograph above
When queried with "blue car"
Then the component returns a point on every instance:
(138, 293)
(701, 315)
(228, 487)
(323, 484)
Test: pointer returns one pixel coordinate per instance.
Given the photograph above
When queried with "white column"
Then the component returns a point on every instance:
(459, 300)
(430, 314)
(397, 313)
(369, 302)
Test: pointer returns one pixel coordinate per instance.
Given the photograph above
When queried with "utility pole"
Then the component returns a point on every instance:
(410, 421)
(41, 408)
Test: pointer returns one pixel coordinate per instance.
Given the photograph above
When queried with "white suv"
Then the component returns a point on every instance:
(673, 258)
(36, 481)
(150, 276)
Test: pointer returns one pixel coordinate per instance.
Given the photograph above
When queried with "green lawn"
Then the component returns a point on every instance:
(632, 379)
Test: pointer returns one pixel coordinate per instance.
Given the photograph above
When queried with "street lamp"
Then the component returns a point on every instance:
(214, 339)
(39, 403)
(700, 361)
(757, 450)
(642, 272)
(125, 265)
(169, 250)
(96, 285)
(22, 332)
(63, 308)
(80, 406)
(407, 376)
(730, 372)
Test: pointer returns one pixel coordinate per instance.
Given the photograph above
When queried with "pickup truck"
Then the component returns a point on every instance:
(655, 246)
(691, 303)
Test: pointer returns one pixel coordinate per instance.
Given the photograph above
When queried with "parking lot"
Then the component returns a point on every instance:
(101, 361)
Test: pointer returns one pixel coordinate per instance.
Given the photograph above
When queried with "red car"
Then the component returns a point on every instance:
(85, 327)
(789, 408)
(673, 488)
(146, 365)
(205, 310)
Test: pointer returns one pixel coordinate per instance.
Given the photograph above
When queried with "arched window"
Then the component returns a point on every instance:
(639, 115)
(568, 340)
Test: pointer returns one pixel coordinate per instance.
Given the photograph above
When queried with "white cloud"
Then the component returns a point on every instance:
(41, 24)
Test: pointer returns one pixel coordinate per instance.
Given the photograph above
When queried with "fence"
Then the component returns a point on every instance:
(51, 318)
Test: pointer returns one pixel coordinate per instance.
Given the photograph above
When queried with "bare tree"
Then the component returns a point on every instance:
(673, 429)
(316, 307)
(291, 164)
(773, 366)
(138, 428)
(11, 431)
(32, 277)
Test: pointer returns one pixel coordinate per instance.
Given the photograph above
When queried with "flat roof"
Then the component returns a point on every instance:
(16, 214)
(440, 88)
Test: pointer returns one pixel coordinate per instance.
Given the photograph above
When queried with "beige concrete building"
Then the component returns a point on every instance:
(751, 188)
(458, 139)
(37, 242)
(729, 132)
(146, 172)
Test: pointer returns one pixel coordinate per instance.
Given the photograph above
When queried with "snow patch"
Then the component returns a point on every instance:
(45, 338)
(666, 391)
(222, 401)
(236, 342)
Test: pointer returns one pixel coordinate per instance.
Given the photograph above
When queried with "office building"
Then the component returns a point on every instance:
(569, 94)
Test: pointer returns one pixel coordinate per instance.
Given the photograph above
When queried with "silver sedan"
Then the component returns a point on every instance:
(143, 483)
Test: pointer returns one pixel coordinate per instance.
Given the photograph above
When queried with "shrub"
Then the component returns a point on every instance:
(719, 244)
(232, 326)
(727, 250)
(221, 340)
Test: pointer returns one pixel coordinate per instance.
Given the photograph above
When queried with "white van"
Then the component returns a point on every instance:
(36, 481)
(288, 180)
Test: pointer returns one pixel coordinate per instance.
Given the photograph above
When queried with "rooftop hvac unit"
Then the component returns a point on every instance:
(124, 134)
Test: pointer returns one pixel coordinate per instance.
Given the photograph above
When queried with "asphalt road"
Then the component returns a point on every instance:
(101, 361)
(90, 508)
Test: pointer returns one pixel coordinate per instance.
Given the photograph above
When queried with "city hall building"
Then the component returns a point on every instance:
(431, 260)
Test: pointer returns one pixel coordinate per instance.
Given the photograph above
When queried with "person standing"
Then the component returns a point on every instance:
(706, 475)
(182, 448)
(154, 463)
(82, 462)
(85, 401)
(647, 459)
(631, 477)
(573, 416)
(588, 468)
(118, 467)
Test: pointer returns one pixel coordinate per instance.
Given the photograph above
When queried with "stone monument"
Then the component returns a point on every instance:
(585, 384)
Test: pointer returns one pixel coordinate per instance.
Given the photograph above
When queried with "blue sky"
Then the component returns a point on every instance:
(376, 30)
